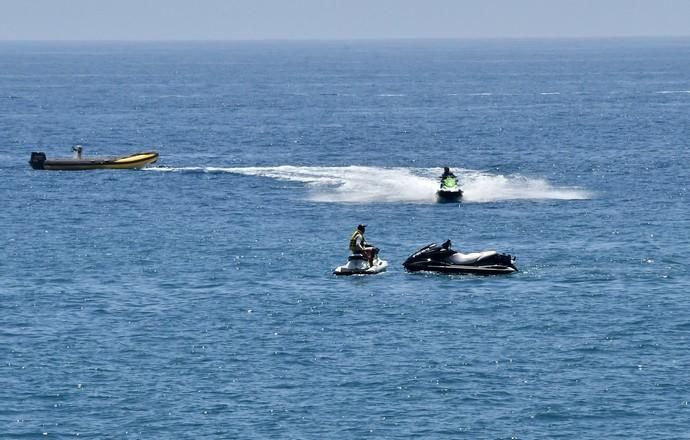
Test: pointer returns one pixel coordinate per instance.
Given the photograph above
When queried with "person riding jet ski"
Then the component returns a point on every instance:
(449, 190)
(358, 244)
(364, 257)
(448, 179)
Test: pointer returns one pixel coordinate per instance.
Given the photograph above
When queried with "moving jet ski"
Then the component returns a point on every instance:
(443, 259)
(358, 264)
(449, 195)
(449, 191)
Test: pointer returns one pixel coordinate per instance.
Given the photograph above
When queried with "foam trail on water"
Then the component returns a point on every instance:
(362, 184)
(166, 169)
(483, 187)
(354, 184)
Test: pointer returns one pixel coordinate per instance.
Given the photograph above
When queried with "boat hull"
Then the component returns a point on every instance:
(462, 269)
(133, 161)
(448, 196)
(356, 268)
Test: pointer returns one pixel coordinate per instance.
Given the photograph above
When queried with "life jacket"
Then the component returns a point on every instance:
(449, 182)
(353, 241)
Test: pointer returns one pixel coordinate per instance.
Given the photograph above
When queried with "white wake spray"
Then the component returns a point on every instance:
(354, 184)
(362, 184)
(485, 187)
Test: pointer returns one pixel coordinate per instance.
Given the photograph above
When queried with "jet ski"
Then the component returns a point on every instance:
(449, 194)
(358, 264)
(450, 191)
(443, 259)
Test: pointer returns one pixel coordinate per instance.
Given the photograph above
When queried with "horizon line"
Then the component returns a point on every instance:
(349, 39)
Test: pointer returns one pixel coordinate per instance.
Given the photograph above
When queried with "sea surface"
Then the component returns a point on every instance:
(195, 299)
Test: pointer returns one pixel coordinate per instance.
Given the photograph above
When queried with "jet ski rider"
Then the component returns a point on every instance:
(448, 179)
(358, 245)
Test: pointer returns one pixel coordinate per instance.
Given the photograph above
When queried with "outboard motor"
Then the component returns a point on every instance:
(37, 160)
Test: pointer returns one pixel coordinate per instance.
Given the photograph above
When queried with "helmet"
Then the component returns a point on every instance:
(361, 226)
(446, 170)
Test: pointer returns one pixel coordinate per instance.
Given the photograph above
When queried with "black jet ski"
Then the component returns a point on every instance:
(358, 264)
(443, 259)
(450, 191)
(449, 195)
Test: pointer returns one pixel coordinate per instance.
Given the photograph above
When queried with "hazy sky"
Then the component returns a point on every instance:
(337, 19)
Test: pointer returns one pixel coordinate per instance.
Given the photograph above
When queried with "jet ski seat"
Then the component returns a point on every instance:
(459, 258)
(354, 257)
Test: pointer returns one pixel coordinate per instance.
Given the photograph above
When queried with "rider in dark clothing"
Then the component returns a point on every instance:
(448, 179)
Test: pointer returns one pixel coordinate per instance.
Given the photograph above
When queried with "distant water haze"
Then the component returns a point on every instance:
(338, 19)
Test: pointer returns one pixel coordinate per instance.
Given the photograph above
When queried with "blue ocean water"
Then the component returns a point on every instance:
(195, 299)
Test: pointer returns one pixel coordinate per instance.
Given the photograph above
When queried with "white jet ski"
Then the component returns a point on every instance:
(358, 264)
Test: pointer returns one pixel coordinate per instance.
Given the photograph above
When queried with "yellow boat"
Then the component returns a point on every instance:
(137, 160)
